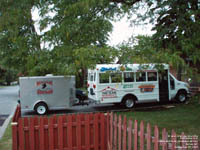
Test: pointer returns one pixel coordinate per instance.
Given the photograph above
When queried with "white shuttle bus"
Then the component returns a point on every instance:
(134, 83)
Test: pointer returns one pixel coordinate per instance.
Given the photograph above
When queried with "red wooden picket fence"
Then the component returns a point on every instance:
(93, 131)
(63, 132)
(128, 135)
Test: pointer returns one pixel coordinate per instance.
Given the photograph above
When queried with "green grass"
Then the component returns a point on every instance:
(182, 118)
(6, 141)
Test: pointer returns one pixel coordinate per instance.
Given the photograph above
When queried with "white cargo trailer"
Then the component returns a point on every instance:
(45, 93)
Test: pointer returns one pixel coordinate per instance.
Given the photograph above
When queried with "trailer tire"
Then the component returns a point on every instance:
(41, 108)
(181, 96)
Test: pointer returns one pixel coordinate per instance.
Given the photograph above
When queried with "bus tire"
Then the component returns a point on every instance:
(41, 108)
(181, 96)
(129, 102)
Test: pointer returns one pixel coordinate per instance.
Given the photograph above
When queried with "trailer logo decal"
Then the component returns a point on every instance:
(44, 87)
(109, 93)
(146, 88)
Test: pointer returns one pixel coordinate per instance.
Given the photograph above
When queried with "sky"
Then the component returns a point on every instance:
(122, 30)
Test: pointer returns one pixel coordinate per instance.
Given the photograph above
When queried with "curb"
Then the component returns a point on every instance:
(5, 124)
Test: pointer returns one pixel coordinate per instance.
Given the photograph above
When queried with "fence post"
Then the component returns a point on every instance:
(115, 132)
(14, 136)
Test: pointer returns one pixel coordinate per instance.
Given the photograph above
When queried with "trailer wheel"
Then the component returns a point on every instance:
(129, 102)
(181, 96)
(41, 108)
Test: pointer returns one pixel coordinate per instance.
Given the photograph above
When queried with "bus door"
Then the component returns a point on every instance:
(163, 86)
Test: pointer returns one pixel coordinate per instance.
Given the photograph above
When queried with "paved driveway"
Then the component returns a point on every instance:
(8, 103)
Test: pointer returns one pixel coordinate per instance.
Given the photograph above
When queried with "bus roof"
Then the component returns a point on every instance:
(128, 67)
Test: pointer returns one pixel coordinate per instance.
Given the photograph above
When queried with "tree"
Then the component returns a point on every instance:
(175, 23)
(18, 37)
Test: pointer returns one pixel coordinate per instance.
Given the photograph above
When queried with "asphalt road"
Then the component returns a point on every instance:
(8, 99)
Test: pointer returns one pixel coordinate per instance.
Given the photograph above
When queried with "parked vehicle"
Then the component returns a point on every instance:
(45, 93)
(134, 83)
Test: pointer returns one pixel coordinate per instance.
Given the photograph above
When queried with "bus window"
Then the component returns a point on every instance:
(91, 77)
(88, 76)
(95, 77)
(152, 76)
(103, 78)
(116, 77)
(140, 76)
(172, 84)
(128, 77)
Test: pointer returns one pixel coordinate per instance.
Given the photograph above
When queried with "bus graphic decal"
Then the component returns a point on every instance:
(146, 88)
(109, 93)
(44, 87)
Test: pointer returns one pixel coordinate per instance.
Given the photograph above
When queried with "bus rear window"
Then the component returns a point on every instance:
(103, 78)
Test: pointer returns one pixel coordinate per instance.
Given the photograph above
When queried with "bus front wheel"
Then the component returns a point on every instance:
(181, 96)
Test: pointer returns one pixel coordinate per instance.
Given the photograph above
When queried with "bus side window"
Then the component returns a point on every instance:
(103, 78)
(152, 76)
(172, 85)
(128, 77)
(116, 77)
(140, 76)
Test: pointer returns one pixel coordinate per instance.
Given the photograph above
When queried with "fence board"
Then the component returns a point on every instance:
(115, 132)
(156, 138)
(111, 131)
(78, 131)
(142, 135)
(69, 131)
(41, 133)
(164, 139)
(26, 133)
(135, 134)
(51, 135)
(60, 132)
(46, 133)
(124, 133)
(148, 136)
(36, 126)
(87, 131)
(120, 133)
(102, 132)
(21, 133)
(130, 124)
(173, 137)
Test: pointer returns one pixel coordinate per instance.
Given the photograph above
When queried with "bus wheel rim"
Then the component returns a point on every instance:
(129, 103)
(182, 97)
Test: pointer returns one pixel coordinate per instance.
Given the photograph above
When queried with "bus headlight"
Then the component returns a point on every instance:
(187, 85)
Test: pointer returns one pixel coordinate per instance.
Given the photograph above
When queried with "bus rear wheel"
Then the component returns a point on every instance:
(129, 102)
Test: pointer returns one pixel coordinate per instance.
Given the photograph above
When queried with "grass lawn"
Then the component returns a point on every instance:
(6, 141)
(182, 118)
